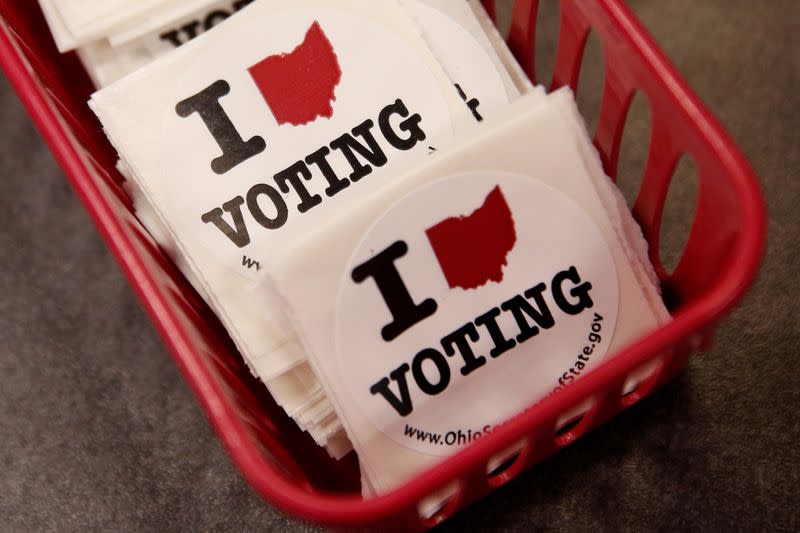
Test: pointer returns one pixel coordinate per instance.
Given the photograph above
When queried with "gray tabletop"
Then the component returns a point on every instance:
(99, 432)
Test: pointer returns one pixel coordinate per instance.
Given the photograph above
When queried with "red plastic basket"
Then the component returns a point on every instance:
(720, 261)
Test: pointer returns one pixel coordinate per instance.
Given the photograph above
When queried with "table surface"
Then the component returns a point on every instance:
(98, 431)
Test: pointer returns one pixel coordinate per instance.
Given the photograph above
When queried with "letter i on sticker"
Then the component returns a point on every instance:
(298, 87)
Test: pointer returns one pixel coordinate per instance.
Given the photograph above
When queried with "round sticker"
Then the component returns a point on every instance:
(466, 62)
(292, 121)
(469, 300)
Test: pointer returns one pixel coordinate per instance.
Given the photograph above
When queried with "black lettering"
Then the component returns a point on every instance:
(172, 37)
(472, 103)
(410, 125)
(372, 152)
(191, 29)
(403, 404)
(581, 292)
(291, 176)
(335, 183)
(239, 236)
(520, 307)
(250, 263)
(235, 150)
(405, 313)
(424, 384)
(214, 18)
(282, 212)
(489, 321)
(241, 3)
(458, 339)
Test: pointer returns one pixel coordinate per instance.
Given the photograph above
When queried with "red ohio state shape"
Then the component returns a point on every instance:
(299, 86)
(472, 250)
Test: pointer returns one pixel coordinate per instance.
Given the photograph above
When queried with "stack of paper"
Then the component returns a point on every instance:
(470, 288)
(117, 37)
(288, 115)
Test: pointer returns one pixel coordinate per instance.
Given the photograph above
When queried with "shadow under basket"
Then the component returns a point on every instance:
(720, 260)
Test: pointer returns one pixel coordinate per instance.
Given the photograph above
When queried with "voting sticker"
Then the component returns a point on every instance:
(469, 300)
(287, 124)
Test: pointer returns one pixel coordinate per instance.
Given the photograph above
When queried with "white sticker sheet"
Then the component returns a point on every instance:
(161, 132)
(454, 338)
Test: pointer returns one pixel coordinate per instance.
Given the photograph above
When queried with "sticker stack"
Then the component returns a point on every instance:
(116, 37)
(249, 137)
(407, 241)
(469, 289)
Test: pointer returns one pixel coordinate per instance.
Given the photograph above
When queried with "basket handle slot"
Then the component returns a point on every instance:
(629, 154)
(506, 464)
(591, 85)
(678, 213)
(440, 505)
(642, 381)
